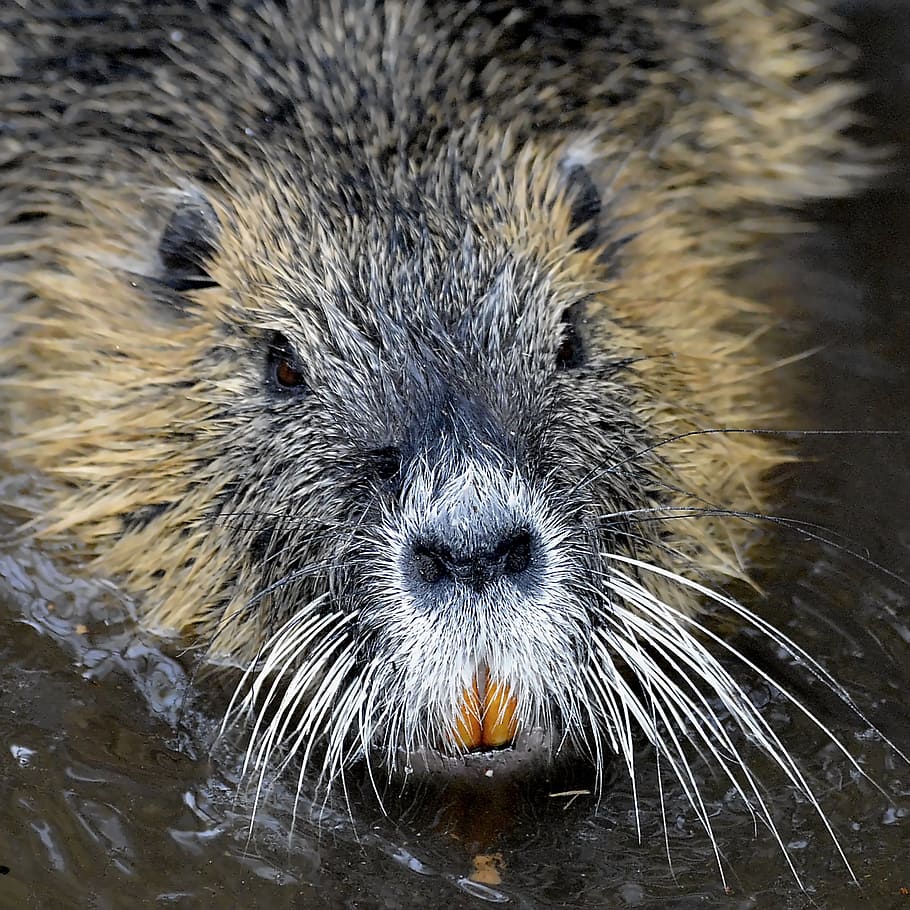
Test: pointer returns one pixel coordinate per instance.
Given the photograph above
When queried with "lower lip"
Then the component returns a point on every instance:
(530, 751)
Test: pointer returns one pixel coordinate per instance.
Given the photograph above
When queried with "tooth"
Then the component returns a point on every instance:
(499, 722)
(486, 717)
(468, 727)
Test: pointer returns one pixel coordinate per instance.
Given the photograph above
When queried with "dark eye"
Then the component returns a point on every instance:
(571, 352)
(284, 373)
(386, 463)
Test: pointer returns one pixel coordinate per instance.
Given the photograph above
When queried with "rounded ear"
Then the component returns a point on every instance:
(585, 202)
(571, 353)
(188, 242)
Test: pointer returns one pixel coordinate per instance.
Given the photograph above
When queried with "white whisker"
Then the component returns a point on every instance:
(656, 622)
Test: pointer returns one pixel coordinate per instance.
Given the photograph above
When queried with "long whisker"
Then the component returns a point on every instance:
(659, 615)
(608, 468)
(678, 705)
(809, 530)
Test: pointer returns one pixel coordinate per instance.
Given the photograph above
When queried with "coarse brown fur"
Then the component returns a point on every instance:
(397, 190)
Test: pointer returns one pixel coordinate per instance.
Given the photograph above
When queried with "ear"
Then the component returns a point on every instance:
(188, 242)
(583, 196)
(571, 352)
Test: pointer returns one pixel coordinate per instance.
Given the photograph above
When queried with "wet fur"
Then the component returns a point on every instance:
(425, 201)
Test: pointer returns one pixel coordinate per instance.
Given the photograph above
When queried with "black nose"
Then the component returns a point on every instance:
(435, 563)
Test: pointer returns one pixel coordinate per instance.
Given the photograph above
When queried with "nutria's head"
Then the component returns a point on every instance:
(424, 446)
(413, 388)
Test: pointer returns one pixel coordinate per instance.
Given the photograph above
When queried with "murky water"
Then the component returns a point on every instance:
(111, 797)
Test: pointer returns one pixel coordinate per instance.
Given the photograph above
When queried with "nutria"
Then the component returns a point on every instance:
(388, 350)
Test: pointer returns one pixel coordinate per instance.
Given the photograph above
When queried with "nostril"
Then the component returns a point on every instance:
(432, 562)
(516, 551)
(429, 566)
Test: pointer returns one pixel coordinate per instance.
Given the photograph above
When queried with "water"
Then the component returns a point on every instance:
(111, 797)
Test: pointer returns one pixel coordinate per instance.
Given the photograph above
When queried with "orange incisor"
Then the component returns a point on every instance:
(486, 718)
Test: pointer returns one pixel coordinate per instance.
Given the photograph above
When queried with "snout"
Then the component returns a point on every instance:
(459, 576)
(470, 562)
(471, 616)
